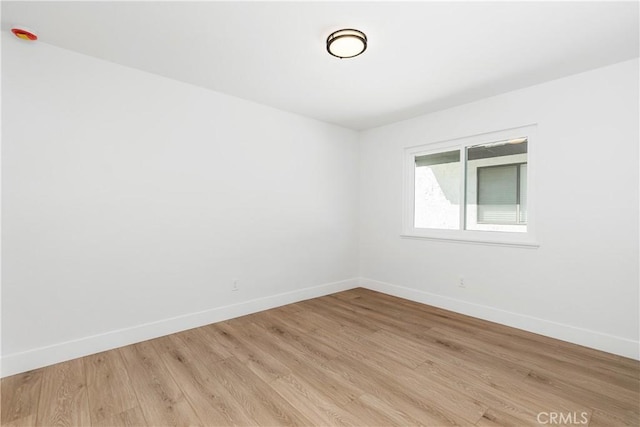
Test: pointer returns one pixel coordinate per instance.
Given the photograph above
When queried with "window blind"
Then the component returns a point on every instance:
(498, 194)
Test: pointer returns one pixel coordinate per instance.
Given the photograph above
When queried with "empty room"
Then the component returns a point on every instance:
(320, 213)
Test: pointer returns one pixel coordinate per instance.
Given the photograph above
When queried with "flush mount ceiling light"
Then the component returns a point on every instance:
(346, 43)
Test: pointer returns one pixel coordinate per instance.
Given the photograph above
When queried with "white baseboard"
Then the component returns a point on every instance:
(44, 356)
(585, 337)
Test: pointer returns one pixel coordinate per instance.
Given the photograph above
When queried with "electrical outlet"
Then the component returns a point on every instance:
(235, 285)
(461, 283)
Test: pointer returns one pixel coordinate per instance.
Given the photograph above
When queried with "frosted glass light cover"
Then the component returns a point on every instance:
(346, 43)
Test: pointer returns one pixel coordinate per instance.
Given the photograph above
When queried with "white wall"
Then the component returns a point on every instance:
(581, 284)
(130, 199)
(130, 202)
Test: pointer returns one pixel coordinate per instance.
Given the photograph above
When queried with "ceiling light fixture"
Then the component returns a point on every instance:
(346, 43)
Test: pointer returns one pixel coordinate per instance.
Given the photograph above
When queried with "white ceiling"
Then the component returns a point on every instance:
(422, 56)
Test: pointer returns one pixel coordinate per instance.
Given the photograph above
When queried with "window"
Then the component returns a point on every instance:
(437, 190)
(474, 189)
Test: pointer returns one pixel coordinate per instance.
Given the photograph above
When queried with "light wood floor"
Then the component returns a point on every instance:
(353, 358)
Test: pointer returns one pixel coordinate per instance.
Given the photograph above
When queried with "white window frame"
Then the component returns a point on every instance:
(523, 239)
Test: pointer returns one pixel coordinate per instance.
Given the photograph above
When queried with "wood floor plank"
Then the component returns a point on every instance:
(327, 324)
(475, 383)
(258, 399)
(259, 361)
(347, 317)
(266, 343)
(305, 397)
(211, 401)
(493, 359)
(285, 330)
(582, 371)
(221, 335)
(591, 398)
(206, 349)
(398, 348)
(20, 396)
(390, 412)
(287, 310)
(161, 399)
(355, 358)
(384, 385)
(197, 339)
(314, 368)
(63, 399)
(358, 347)
(108, 387)
(506, 334)
(601, 418)
(130, 418)
(497, 418)
(386, 315)
(27, 421)
(510, 399)
(462, 407)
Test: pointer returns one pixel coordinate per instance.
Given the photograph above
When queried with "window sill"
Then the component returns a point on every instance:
(475, 240)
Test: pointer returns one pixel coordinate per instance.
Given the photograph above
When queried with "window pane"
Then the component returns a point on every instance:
(495, 188)
(523, 194)
(498, 194)
(437, 190)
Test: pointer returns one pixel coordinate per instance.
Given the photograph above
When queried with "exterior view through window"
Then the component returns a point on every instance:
(475, 184)
(497, 186)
